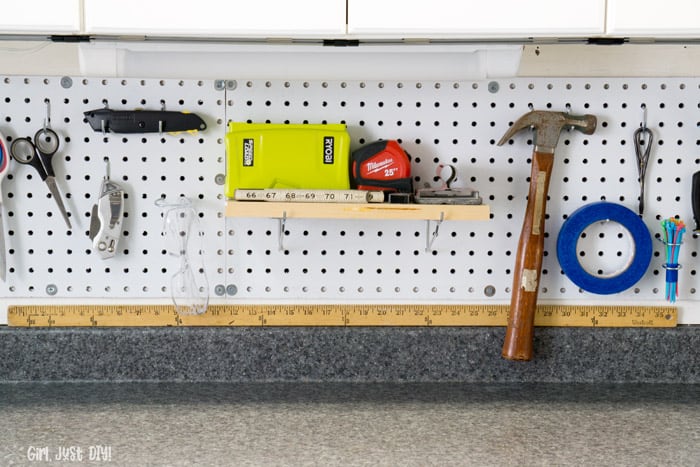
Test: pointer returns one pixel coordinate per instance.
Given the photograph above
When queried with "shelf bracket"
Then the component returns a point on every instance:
(282, 228)
(430, 238)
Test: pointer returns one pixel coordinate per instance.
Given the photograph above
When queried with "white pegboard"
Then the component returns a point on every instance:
(459, 123)
(45, 258)
(456, 123)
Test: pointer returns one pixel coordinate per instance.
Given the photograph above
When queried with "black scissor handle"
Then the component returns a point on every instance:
(46, 144)
(46, 141)
(24, 152)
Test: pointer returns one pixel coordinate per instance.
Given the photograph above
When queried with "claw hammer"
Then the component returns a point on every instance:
(528, 260)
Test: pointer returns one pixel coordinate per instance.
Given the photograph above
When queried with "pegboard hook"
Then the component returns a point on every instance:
(644, 117)
(429, 239)
(47, 119)
(107, 168)
(102, 122)
(160, 122)
(568, 111)
(282, 228)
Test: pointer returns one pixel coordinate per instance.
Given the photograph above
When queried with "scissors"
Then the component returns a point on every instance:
(4, 165)
(38, 154)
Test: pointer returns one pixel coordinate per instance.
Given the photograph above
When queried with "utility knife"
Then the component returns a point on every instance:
(695, 200)
(143, 121)
(106, 219)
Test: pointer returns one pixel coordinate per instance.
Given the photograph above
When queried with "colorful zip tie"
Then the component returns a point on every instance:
(673, 230)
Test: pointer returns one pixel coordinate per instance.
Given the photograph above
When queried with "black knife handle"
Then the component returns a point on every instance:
(143, 121)
(695, 199)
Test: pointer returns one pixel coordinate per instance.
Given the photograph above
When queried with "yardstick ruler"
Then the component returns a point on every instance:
(308, 196)
(338, 315)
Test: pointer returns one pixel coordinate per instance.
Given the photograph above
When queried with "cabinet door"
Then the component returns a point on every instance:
(216, 18)
(40, 17)
(469, 18)
(653, 18)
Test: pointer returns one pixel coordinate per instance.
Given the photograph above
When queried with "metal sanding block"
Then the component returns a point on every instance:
(293, 156)
(448, 196)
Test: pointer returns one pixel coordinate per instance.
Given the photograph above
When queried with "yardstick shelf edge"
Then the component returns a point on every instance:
(335, 315)
(357, 211)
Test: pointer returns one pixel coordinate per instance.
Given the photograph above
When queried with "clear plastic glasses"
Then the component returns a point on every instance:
(183, 238)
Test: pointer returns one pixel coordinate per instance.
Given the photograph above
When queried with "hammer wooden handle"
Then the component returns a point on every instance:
(528, 263)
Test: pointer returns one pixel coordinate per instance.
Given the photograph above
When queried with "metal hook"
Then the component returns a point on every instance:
(568, 111)
(103, 125)
(47, 120)
(643, 140)
(160, 122)
(430, 239)
(107, 169)
(531, 107)
(644, 117)
(446, 181)
(282, 227)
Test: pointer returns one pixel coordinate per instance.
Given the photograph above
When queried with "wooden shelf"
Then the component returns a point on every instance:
(357, 211)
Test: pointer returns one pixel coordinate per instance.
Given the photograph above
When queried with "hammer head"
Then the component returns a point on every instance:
(548, 126)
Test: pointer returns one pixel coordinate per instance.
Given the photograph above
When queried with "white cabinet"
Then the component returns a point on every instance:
(40, 17)
(477, 19)
(363, 19)
(216, 18)
(653, 18)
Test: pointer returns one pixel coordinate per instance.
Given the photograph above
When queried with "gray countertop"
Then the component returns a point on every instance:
(469, 354)
(355, 396)
(210, 424)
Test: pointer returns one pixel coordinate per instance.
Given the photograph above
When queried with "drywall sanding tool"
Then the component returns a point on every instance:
(382, 165)
(446, 194)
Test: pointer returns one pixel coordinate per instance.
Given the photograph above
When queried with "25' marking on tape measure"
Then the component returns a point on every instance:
(338, 315)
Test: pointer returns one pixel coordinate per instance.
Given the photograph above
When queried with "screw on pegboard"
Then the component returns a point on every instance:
(223, 84)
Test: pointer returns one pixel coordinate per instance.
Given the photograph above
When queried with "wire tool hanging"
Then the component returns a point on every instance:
(643, 139)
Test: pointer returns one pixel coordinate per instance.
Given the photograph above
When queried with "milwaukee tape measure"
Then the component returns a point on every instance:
(382, 165)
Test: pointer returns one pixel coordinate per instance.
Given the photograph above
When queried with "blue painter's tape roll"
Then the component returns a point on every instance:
(578, 222)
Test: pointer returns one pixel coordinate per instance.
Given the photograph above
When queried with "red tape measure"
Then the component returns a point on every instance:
(382, 165)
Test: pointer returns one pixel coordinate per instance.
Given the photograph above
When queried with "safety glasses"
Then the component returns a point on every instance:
(183, 238)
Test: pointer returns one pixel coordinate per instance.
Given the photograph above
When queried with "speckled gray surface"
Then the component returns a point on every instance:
(347, 354)
(283, 424)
